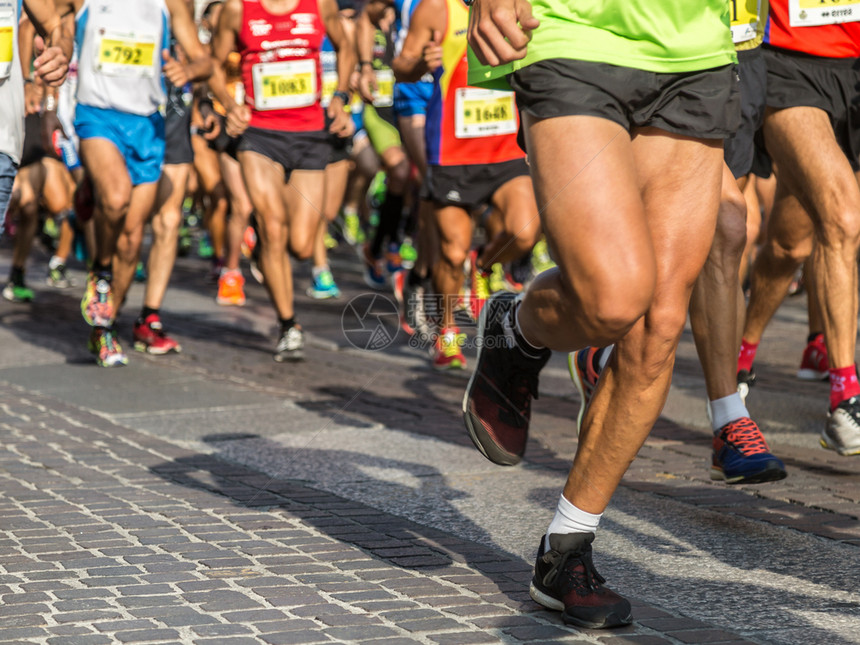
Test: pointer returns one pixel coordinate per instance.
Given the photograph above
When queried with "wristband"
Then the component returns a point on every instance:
(343, 96)
(50, 103)
(362, 63)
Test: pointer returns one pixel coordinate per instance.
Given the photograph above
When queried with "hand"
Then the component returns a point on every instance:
(211, 127)
(51, 63)
(433, 53)
(238, 118)
(500, 30)
(367, 83)
(173, 70)
(34, 93)
(341, 121)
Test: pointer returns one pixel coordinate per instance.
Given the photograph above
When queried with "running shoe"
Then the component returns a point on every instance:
(842, 432)
(231, 289)
(183, 239)
(746, 379)
(149, 337)
(374, 273)
(140, 272)
(57, 277)
(565, 580)
(497, 402)
(393, 261)
(741, 456)
(541, 260)
(329, 242)
(351, 228)
(584, 377)
(497, 281)
(249, 241)
(448, 353)
(323, 286)
(17, 293)
(410, 303)
(97, 303)
(813, 364)
(408, 254)
(107, 351)
(290, 345)
(205, 251)
(479, 286)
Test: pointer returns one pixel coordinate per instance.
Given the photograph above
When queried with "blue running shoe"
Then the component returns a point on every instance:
(323, 286)
(741, 455)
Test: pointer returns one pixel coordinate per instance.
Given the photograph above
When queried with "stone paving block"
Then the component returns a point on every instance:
(635, 639)
(254, 616)
(84, 639)
(220, 630)
(82, 604)
(144, 635)
(295, 638)
(462, 638)
(90, 616)
(124, 625)
(702, 636)
(145, 590)
(359, 633)
(230, 640)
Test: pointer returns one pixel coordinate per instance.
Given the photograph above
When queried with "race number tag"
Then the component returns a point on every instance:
(812, 13)
(285, 85)
(483, 113)
(746, 15)
(384, 95)
(127, 55)
(329, 86)
(7, 40)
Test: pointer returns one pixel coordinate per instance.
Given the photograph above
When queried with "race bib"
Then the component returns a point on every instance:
(7, 41)
(127, 55)
(483, 113)
(285, 85)
(813, 13)
(384, 95)
(329, 86)
(746, 15)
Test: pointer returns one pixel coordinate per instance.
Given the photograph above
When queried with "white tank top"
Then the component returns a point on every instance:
(11, 82)
(119, 54)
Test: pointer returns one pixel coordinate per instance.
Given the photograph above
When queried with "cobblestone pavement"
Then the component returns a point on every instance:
(219, 497)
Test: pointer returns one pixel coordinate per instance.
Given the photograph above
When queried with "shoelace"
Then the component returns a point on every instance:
(583, 582)
(745, 435)
(450, 345)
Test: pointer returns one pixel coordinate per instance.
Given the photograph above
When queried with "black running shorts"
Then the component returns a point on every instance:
(177, 134)
(830, 84)
(293, 150)
(472, 186)
(341, 147)
(703, 104)
(740, 149)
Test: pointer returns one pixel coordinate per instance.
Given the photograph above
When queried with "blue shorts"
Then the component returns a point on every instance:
(140, 139)
(8, 170)
(412, 98)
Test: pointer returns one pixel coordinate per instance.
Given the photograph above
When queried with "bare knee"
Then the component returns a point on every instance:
(840, 228)
(453, 254)
(114, 203)
(613, 302)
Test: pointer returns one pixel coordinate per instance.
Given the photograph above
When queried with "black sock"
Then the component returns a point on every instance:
(16, 276)
(812, 336)
(390, 212)
(145, 313)
(287, 323)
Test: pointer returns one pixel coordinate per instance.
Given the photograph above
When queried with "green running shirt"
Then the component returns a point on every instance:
(664, 36)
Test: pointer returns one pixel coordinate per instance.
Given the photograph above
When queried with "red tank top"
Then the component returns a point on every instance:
(281, 66)
(818, 29)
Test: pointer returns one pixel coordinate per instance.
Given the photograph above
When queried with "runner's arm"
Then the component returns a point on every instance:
(364, 31)
(223, 44)
(344, 45)
(199, 64)
(52, 64)
(422, 47)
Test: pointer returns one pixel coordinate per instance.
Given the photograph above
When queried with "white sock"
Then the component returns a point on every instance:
(570, 519)
(316, 271)
(727, 409)
(55, 262)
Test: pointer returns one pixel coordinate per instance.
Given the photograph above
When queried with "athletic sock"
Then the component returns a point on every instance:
(570, 519)
(287, 323)
(727, 409)
(843, 385)
(318, 271)
(747, 355)
(514, 334)
(55, 262)
(16, 276)
(145, 313)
